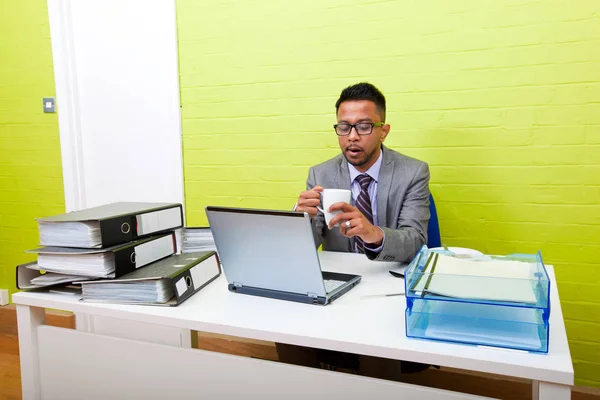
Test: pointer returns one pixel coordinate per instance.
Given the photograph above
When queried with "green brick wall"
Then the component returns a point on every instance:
(30, 164)
(502, 99)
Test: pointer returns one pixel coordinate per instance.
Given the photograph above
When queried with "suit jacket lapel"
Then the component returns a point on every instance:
(384, 185)
(342, 178)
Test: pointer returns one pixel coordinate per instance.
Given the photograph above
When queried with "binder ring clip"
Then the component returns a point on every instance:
(132, 258)
(125, 228)
(188, 281)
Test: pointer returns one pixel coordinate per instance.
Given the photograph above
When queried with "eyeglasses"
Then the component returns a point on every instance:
(362, 128)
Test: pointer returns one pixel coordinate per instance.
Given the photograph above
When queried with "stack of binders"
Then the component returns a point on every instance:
(130, 246)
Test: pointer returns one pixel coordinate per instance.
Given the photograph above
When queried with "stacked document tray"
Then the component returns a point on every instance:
(479, 300)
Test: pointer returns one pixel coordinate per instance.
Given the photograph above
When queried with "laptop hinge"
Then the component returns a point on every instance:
(237, 284)
(313, 295)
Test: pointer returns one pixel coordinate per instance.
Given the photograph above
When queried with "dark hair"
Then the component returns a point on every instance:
(363, 91)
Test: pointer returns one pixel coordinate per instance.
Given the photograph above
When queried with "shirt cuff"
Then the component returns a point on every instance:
(369, 246)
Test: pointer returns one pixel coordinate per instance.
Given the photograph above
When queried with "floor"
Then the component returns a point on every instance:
(450, 379)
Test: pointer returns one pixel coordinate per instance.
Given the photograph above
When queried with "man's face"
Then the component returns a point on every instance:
(361, 150)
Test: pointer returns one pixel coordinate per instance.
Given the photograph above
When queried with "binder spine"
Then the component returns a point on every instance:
(118, 230)
(156, 248)
(124, 261)
(181, 216)
(189, 282)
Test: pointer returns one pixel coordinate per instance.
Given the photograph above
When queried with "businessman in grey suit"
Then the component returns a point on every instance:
(387, 219)
(396, 198)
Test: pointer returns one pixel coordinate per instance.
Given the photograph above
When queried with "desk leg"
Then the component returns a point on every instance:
(550, 391)
(187, 339)
(28, 320)
(83, 322)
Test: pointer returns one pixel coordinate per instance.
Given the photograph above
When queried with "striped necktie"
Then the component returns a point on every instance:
(363, 203)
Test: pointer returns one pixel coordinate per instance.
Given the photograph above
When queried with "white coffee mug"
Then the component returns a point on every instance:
(330, 197)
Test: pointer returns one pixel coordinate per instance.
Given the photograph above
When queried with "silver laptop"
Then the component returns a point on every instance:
(272, 254)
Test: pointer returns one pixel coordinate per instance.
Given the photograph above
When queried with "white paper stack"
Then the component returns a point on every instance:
(70, 234)
(501, 280)
(197, 240)
(154, 291)
(100, 265)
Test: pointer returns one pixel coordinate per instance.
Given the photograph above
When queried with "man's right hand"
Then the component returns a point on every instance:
(309, 200)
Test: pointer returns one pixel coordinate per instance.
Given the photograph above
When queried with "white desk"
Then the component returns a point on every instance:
(63, 363)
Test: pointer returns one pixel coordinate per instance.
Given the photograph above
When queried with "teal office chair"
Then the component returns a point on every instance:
(434, 238)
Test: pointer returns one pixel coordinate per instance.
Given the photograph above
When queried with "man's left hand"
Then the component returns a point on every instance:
(359, 224)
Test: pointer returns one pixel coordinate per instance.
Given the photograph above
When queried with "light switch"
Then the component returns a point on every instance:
(49, 104)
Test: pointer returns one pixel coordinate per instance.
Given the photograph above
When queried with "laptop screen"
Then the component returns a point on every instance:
(267, 249)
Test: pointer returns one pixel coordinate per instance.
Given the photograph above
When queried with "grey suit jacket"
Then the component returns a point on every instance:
(402, 205)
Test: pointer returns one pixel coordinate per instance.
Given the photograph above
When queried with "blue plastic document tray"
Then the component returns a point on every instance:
(481, 300)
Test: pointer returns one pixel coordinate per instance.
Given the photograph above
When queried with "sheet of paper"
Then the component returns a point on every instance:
(500, 280)
(492, 268)
(53, 278)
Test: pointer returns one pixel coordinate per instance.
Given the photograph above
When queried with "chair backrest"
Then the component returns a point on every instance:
(433, 229)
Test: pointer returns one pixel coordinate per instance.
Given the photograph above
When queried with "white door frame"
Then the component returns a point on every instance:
(65, 77)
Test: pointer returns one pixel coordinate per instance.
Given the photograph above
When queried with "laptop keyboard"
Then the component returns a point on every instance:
(331, 285)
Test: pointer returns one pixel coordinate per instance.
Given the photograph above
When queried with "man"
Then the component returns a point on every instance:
(389, 215)
(388, 220)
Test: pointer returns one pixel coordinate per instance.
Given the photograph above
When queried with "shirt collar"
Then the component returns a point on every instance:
(373, 172)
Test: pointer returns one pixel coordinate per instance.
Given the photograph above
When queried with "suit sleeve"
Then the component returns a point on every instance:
(318, 222)
(402, 244)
